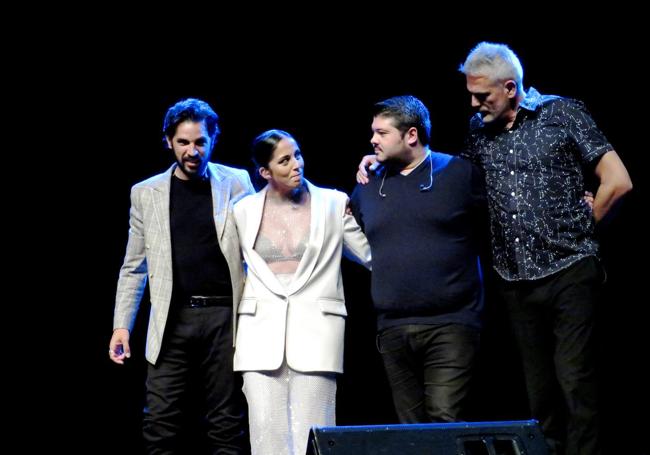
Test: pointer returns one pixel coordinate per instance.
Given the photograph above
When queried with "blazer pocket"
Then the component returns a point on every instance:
(333, 306)
(247, 306)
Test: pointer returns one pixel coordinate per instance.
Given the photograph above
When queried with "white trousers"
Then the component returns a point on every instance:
(284, 404)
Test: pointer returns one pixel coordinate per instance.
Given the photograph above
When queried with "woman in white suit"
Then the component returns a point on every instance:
(291, 319)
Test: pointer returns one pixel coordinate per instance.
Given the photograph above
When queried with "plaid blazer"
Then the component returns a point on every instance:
(149, 254)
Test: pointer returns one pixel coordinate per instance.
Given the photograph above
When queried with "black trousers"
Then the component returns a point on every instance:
(196, 362)
(553, 323)
(429, 368)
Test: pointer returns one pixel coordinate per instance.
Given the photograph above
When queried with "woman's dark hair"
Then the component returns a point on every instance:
(263, 147)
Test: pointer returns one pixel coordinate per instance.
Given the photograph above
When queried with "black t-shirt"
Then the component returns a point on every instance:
(200, 267)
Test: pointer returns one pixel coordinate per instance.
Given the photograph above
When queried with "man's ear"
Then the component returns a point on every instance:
(510, 87)
(168, 141)
(412, 136)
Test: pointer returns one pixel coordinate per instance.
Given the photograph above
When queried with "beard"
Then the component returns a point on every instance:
(198, 173)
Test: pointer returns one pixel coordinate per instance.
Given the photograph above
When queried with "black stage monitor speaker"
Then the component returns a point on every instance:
(521, 437)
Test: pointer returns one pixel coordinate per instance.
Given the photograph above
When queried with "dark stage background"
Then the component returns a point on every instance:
(321, 89)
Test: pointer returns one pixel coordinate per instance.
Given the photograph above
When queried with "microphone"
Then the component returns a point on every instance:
(424, 187)
(381, 193)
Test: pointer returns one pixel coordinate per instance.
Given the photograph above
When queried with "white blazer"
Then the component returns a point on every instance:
(306, 320)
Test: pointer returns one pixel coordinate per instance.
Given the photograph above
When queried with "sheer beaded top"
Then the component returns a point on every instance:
(284, 232)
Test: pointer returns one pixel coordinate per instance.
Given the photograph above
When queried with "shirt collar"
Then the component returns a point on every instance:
(532, 100)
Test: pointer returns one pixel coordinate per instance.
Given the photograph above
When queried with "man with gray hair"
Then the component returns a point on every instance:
(532, 149)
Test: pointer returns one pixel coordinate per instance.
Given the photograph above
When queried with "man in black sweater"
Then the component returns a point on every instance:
(423, 214)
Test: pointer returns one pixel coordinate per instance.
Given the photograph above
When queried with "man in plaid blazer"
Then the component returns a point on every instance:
(183, 240)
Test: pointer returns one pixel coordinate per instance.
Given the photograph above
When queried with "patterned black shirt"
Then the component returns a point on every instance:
(534, 176)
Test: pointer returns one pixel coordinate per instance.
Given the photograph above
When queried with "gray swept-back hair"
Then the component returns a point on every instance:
(495, 61)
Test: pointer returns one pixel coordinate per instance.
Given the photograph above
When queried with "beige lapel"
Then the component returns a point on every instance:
(220, 198)
(161, 207)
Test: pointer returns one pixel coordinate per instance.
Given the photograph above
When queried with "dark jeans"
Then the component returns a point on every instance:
(196, 360)
(553, 319)
(429, 368)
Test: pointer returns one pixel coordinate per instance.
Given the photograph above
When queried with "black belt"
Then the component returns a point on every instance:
(201, 301)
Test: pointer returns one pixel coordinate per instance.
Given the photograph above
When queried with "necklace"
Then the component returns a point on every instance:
(293, 199)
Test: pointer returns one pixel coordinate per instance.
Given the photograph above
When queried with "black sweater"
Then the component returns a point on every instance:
(425, 243)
